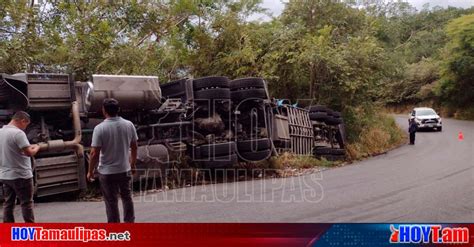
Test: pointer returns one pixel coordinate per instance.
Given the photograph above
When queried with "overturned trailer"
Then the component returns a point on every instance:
(209, 122)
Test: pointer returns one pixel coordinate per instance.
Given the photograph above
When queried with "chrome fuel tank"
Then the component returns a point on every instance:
(135, 93)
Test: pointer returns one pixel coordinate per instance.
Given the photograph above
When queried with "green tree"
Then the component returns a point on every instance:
(413, 42)
(20, 36)
(326, 50)
(457, 81)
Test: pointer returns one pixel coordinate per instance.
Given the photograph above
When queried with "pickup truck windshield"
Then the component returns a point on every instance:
(425, 112)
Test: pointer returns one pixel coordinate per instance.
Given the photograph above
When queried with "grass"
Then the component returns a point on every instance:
(464, 114)
(380, 135)
(289, 160)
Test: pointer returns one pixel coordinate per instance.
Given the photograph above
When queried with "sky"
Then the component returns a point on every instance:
(276, 6)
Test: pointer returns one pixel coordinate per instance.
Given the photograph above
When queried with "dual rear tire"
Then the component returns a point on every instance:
(216, 155)
(254, 150)
(247, 89)
(323, 114)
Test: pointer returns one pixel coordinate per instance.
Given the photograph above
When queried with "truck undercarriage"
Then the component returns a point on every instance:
(209, 122)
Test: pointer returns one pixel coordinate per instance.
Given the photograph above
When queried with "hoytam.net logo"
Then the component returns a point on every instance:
(74, 234)
(435, 234)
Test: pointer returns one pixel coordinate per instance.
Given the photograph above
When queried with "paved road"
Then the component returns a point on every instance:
(432, 181)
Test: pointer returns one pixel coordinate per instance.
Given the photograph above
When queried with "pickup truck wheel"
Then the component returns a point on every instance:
(211, 82)
(212, 93)
(255, 156)
(220, 162)
(253, 145)
(240, 95)
(216, 149)
(251, 82)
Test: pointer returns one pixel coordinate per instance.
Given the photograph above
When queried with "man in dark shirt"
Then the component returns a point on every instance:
(412, 130)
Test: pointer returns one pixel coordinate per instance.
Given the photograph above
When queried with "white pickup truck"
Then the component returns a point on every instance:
(426, 118)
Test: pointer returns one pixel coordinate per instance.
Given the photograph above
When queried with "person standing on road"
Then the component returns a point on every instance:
(112, 141)
(412, 130)
(16, 172)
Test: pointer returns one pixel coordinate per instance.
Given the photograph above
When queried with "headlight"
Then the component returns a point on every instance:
(417, 119)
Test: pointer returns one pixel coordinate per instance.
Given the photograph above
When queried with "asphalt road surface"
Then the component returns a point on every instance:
(432, 181)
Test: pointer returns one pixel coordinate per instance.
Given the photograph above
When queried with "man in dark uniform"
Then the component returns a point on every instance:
(412, 130)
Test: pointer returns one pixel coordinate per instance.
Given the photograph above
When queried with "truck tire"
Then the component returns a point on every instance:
(255, 156)
(318, 151)
(216, 149)
(284, 144)
(173, 88)
(251, 82)
(333, 121)
(337, 151)
(335, 118)
(318, 108)
(220, 162)
(240, 95)
(211, 82)
(318, 116)
(212, 93)
(253, 145)
(336, 114)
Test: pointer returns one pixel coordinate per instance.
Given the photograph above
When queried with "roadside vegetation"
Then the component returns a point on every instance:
(288, 160)
(433, 50)
(357, 59)
(379, 133)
